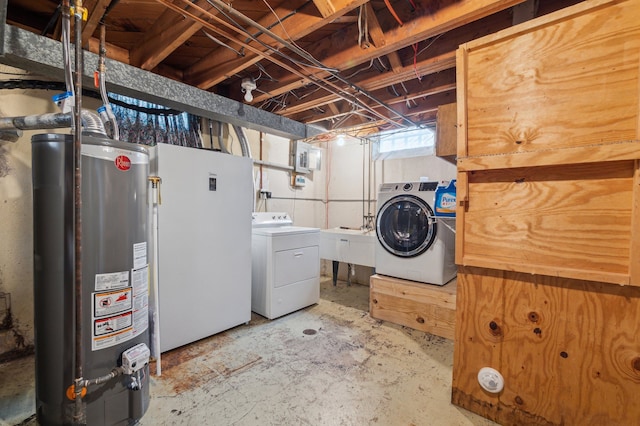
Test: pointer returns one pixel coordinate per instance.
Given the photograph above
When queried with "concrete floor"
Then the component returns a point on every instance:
(329, 364)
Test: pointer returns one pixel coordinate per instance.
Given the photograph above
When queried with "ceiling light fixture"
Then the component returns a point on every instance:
(248, 84)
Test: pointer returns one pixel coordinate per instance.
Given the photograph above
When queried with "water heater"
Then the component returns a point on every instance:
(115, 269)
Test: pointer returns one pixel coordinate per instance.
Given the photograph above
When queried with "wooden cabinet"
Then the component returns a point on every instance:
(548, 218)
(559, 93)
(446, 131)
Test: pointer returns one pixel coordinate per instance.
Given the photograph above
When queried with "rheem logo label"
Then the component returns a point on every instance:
(123, 163)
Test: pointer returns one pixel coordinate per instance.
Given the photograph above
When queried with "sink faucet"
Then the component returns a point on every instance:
(368, 221)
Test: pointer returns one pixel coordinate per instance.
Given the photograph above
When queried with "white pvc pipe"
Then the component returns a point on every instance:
(155, 188)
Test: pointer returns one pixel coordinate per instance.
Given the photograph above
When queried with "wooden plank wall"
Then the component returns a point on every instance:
(569, 350)
(557, 220)
(549, 148)
(549, 218)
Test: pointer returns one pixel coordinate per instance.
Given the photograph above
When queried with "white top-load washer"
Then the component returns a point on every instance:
(412, 243)
(285, 273)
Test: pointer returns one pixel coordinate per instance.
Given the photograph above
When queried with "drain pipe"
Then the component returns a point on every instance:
(156, 201)
(364, 217)
(79, 412)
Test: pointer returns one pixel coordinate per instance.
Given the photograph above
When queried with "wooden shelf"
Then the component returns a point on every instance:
(596, 153)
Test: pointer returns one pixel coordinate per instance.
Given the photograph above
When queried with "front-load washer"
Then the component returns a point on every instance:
(285, 266)
(412, 243)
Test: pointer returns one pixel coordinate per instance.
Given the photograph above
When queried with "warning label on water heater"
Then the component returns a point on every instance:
(140, 282)
(112, 280)
(112, 316)
(120, 313)
(111, 302)
(112, 324)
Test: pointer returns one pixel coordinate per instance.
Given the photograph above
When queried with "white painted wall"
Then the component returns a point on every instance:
(305, 204)
(16, 205)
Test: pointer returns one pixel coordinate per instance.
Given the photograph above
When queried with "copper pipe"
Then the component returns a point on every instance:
(79, 414)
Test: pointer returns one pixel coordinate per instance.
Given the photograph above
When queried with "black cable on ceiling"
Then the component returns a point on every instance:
(108, 10)
(52, 21)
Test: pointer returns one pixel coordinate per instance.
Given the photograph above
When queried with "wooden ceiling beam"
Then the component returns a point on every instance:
(375, 81)
(113, 52)
(328, 85)
(354, 124)
(426, 97)
(375, 30)
(332, 9)
(95, 16)
(222, 63)
(427, 23)
(341, 51)
(169, 32)
(378, 38)
(217, 67)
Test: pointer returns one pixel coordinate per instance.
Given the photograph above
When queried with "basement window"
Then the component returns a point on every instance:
(415, 142)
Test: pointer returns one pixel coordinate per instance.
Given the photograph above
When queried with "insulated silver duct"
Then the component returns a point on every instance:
(244, 142)
(90, 122)
(56, 120)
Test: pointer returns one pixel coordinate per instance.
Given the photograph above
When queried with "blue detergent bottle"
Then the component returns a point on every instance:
(445, 203)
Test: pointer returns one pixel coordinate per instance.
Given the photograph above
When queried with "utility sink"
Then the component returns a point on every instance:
(353, 246)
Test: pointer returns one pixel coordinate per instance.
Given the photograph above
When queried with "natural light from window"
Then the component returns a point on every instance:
(404, 143)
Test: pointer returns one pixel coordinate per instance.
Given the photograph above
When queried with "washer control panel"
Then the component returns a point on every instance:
(265, 219)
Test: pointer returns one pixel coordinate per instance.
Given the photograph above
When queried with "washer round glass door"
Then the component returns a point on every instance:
(406, 226)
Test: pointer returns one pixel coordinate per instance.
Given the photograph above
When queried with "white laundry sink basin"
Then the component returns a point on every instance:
(348, 245)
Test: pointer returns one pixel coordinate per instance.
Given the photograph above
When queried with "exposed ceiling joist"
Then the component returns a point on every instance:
(337, 63)
(332, 9)
(346, 54)
(169, 32)
(373, 82)
(299, 23)
(95, 15)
